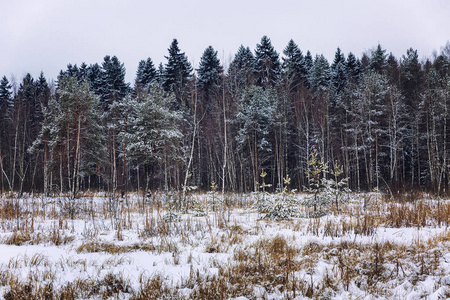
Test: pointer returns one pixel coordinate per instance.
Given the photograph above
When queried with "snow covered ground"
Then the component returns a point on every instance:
(98, 247)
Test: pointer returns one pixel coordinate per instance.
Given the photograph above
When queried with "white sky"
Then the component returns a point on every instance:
(46, 35)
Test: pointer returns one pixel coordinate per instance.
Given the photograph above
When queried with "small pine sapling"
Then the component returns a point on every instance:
(171, 216)
(284, 206)
(261, 204)
(213, 194)
(315, 172)
(335, 187)
(195, 206)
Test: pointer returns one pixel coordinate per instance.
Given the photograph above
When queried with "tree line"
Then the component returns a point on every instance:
(382, 118)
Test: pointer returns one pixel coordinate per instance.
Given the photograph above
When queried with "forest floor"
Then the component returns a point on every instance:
(97, 247)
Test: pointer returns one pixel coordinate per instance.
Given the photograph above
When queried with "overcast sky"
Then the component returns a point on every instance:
(46, 35)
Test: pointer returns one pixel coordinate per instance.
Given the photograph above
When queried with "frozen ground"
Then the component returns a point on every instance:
(98, 247)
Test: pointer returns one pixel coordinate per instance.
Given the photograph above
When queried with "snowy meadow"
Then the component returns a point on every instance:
(211, 246)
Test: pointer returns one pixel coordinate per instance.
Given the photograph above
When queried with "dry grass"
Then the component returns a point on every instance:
(284, 266)
(111, 248)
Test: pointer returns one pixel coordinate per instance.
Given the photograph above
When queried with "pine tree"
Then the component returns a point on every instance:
(153, 133)
(267, 64)
(284, 205)
(315, 172)
(177, 71)
(335, 187)
(74, 130)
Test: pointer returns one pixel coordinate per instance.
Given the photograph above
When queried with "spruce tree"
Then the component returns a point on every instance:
(338, 72)
(392, 70)
(6, 103)
(94, 78)
(353, 68)
(145, 75)
(319, 76)
(114, 87)
(177, 71)
(82, 72)
(309, 63)
(411, 77)
(267, 64)
(6, 110)
(378, 60)
(293, 64)
(209, 70)
(160, 74)
(242, 68)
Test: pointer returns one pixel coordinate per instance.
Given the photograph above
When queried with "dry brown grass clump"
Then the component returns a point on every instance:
(269, 263)
(111, 248)
(110, 286)
(154, 288)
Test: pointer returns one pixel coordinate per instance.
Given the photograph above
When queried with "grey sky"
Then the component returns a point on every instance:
(46, 35)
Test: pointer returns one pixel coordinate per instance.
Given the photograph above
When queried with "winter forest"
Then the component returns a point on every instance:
(381, 118)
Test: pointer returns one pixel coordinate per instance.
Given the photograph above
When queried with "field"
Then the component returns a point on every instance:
(219, 247)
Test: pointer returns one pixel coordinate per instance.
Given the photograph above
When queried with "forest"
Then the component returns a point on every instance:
(382, 118)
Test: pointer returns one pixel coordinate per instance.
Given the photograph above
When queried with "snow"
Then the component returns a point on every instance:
(200, 244)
